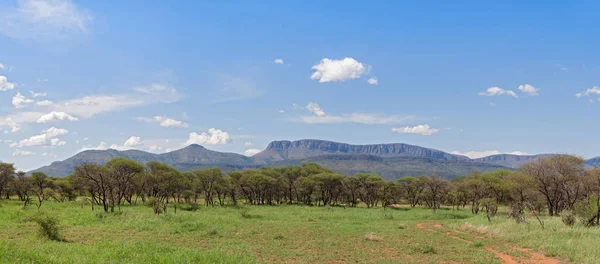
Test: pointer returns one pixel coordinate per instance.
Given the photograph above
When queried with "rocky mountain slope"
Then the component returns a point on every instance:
(389, 160)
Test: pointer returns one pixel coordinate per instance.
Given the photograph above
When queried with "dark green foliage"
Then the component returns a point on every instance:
(48, 227)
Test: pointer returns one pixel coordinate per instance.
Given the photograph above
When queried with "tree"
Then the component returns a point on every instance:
(97, 181)
(329, 185)
(40, 182)
(435, 190)
(558, 179)
(123, 172)
(411, 189)
(370, 185)
(6, 173)
(23, 187)
(208, 179)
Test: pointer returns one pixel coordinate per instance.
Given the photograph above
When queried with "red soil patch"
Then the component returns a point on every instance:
(534, 257)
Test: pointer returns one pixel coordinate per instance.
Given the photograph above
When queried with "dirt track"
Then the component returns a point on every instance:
(531, 256)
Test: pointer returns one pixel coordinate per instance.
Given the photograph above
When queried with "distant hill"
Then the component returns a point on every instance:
(388, 160)
(594, 162)
(301, 149)
(510, 160)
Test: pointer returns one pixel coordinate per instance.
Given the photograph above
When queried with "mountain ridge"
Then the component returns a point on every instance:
(390, 160)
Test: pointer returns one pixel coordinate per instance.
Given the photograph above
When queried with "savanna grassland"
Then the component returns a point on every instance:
(287, 234)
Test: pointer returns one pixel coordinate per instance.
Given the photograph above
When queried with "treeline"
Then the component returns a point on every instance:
(554, 184)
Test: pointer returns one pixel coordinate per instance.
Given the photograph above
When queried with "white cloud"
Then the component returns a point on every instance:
(56, 116)
(20, 101)
(213, 137)
(278, 61)
(590, 91)
(281, 111)
(101, 146)
(164, 121)
(425, 130)
(35, 95)
(48, 137)
(43, 18)
(529, 89)
(155, 148)
(89, 106)
(315, 109)
(320, 117)
(248, 143)
(5, 85)
(373, 81)
(132, 142)
(251, 152)
(44, 103)
(19, 152)
(485, 153)
(2, 67)
(337, 70)
(9, 122)
(495, 91)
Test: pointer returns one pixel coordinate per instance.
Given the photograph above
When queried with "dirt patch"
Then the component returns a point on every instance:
(532, 257)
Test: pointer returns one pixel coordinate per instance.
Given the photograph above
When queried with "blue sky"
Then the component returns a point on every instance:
(470, 77)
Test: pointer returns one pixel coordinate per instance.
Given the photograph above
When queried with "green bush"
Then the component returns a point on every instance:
(48, 227)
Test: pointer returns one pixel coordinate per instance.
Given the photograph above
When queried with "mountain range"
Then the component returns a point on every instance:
(391, 161)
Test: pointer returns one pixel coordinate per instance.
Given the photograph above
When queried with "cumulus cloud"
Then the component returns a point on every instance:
(373, 81)
(315, 109)
(43, 18)
(19, 152)
(496, 91)
(278, 61)
(529, 89)
(132, 142)
(251, 152)
(20, 101)
(46, 138)
(10, 123)
(425, 130)
(56, 116)
(320, 117)
(338, 70)
(213, 137)
(164, 121)
(589, 92)
(485, 153)
(5, 85)
(101, 146)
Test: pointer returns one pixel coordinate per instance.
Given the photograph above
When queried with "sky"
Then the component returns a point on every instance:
(467, 77)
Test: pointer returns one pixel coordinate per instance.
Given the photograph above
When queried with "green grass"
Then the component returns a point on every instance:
(261, 234)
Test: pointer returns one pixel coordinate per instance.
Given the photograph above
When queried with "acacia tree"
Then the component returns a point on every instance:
(97, 181)
(370, 185)
(411, 189)
(7, 171)
(207, 180)
(558, 179)
(40, 182)
(435, 190)
(22, 186)
(123, 172)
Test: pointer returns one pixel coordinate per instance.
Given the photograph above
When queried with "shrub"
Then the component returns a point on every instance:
(428, 249)
(568, 218)
(48, 227)
(214, 232)
(245, 212)
(478, 244)
(278, 237)
(388, 216)
(517, 212)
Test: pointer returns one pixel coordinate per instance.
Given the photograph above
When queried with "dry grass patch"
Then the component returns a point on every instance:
(373, 237)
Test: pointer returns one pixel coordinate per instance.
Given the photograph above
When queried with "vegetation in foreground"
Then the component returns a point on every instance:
(548, 206)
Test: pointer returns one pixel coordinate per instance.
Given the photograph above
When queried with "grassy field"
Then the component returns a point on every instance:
(298, 234)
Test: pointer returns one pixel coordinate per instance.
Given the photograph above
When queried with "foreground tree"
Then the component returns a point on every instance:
(6, 173)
